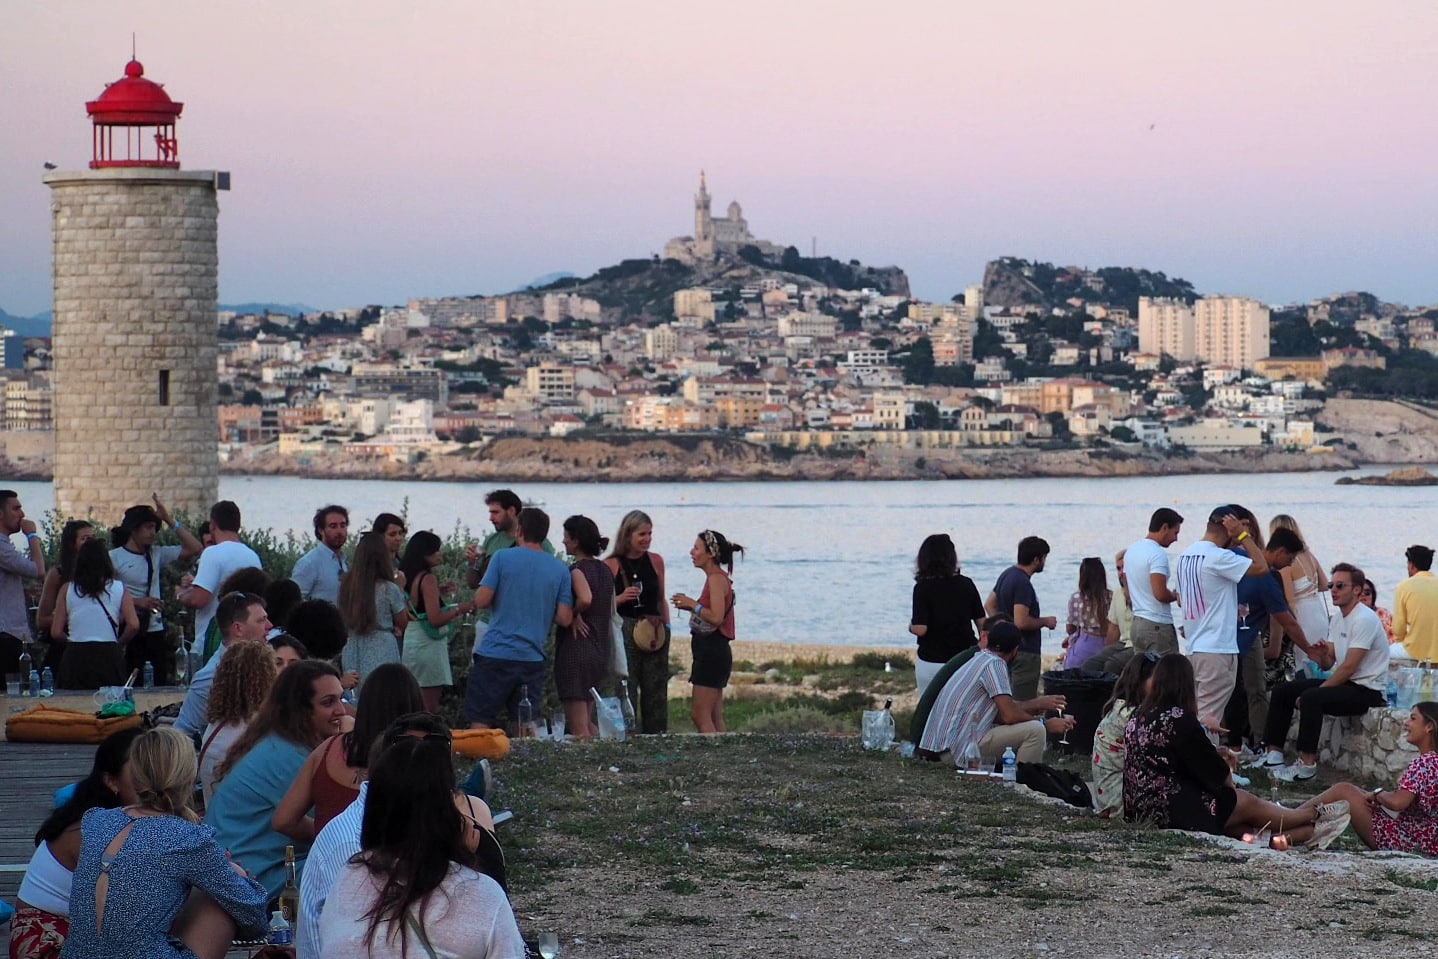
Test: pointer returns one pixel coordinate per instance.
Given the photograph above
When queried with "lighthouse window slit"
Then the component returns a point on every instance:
(164, 387)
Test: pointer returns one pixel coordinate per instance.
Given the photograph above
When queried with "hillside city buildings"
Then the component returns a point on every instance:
(776, 358)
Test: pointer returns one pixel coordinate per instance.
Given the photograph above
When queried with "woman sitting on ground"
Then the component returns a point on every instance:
(1403, 819)
(1109, 748)
(242, 681)
(1368, 596)
(303, 709)
(1175, 778)
(151, 883)
(98, 616)
(330, 778)
(415, 889)
(288, 651)
(42, 906)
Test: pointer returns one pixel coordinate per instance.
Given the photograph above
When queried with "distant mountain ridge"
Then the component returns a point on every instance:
(41, 324)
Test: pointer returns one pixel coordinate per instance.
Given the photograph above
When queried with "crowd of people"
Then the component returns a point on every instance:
(309, 728)
(1213, 653)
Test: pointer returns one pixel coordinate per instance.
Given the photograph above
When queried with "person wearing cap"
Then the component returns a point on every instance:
(977, 706)
(1208, 575)
(139, 564)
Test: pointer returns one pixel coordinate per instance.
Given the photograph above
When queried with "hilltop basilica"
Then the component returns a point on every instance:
(713, 237)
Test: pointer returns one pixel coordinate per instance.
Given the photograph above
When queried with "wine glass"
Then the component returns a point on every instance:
(1065, 740)
(549, 944)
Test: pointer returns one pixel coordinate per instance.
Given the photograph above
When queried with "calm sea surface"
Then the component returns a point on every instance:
(833, 562)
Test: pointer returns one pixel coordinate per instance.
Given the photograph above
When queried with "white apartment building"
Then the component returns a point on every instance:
(694, 304)
(549, 382)
(1216, 330)
(411, 424)
(557, 306)
(815, 325)
(867, 358)
(662, 342)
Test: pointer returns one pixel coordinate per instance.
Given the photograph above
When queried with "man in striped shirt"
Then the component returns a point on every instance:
(977, 706)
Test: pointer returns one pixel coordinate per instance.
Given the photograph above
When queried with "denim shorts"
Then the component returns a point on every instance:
(493, 685)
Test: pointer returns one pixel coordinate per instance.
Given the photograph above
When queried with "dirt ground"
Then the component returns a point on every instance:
(809, 846)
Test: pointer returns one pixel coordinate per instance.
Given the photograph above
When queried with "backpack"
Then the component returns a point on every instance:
(1059, 783)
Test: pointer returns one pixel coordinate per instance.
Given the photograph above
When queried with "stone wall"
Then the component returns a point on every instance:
(1372, 746)
(136, 293)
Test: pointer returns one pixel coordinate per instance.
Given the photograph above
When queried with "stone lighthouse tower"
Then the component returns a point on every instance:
(136, 286)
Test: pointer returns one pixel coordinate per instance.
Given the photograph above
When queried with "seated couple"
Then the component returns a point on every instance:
(976, 706)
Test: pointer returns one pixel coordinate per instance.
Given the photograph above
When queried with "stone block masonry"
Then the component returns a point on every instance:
(136, 262)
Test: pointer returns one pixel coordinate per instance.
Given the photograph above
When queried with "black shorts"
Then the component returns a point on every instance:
(713, 661)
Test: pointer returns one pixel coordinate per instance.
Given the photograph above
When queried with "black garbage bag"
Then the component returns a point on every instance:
(1086, 694)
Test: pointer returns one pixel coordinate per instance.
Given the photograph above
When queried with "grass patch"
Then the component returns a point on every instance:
(1213, 911)
(1409, 880)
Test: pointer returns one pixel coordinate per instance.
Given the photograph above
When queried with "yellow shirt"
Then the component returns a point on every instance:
(1415, 615)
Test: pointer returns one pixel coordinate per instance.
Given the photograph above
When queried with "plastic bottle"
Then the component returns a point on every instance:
(1392, 694)
(47, 682)
(149, 675)
(525, 714)
(281, 932)
(626, 708)
(1011, 766)
(25, 670)
(34, 683)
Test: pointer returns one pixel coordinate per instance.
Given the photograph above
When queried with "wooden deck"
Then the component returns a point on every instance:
(29, 775)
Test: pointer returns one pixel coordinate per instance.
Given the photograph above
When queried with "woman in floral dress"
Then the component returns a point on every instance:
(1403, 819)
(1175, 778)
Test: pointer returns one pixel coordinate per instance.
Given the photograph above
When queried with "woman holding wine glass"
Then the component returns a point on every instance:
(711, 627)
(639, 598)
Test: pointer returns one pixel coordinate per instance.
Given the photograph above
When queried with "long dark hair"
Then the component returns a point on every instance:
(1094, 595)
(1172, 685)
(585, 533)
(1129, 688)
(412, 831)
(69, 539)
(415, 561)
(1429, 711)
(93, 569)
(937, 558)
(389, 692)
(91, 792)
(371, 567)
(286, 712)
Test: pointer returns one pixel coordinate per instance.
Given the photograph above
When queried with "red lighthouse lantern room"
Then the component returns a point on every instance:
(135, 123)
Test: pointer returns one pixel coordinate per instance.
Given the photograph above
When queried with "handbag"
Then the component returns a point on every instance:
(618, 658)
(437, 633)
(649, 633)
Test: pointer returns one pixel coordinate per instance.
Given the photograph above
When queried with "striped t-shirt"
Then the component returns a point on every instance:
(965, 708)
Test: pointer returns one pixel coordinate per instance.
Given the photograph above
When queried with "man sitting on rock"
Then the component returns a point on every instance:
(977, 706)
(1360, 675)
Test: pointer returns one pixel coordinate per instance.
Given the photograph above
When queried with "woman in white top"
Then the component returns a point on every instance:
(100, 618)
(242, 681)
(415, 889)
(1304, 584)
(42, 907)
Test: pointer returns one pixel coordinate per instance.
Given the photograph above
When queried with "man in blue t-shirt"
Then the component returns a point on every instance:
(1261, 599)
(526, 589)
(1014, 596)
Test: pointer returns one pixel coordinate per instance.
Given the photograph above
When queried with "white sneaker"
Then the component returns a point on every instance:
(1271, 758)
(1294, 773)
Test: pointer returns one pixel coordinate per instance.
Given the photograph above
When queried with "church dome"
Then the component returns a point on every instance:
(735, 212)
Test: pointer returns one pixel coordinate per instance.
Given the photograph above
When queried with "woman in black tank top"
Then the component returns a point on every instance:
(639, 597)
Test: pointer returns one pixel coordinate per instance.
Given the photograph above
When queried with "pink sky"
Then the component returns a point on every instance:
(383, 150)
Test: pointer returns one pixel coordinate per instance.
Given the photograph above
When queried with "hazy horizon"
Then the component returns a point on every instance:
(381, 152)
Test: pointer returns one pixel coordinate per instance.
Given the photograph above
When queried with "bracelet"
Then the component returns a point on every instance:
(698, 607)
(31, 536)
(1241, 537)
(176, 525)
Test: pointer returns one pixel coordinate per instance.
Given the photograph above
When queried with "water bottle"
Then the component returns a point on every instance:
(1011, 766)
(281, 934)
(1392, 694)
(626, 708)
(149, 675)
(525, 714)
(34, 684)
(25, 672)
(47, 682)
